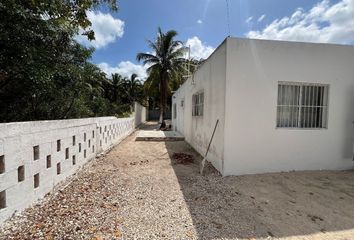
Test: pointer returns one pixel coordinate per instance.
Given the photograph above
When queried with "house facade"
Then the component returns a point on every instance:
(281, 106)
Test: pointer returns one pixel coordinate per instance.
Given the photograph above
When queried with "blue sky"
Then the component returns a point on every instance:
(203, 25)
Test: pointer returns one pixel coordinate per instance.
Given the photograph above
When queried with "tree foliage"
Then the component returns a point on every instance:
(166, 62)
(152, 83)
(125, 91)
(44, 73)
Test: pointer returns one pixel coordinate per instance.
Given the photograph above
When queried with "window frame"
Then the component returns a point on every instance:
(198, 108)
(325, 120)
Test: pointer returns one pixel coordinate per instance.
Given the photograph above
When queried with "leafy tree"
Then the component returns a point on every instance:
(66, 13)
(165, 62)
(117, 88)
(152, 89)
(44, 73)
(151, 84)
(134, 89)
(33, 33)
(124, 91)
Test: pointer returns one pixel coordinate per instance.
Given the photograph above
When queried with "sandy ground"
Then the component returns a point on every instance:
(137, 191)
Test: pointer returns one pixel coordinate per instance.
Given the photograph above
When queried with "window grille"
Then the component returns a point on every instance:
(198, 104)
(302, 105)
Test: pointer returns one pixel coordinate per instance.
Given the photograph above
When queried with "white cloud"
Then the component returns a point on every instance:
(322, 23)
(124, 68)
(199, 50)
(261, 18)
(248, 20)
(107, 29)
(200, 21)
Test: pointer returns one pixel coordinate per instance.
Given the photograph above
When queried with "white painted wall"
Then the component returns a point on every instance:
(197, 130)
(252, 142)
(240, 82)
(139, 114)
(16, 146)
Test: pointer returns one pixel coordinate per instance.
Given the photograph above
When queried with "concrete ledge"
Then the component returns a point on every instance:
(158, 136)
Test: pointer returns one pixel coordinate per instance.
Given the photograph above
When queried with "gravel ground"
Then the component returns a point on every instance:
(138, 191)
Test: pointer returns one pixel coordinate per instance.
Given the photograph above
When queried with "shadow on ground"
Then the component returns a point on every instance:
(149, 126)
(315, 203)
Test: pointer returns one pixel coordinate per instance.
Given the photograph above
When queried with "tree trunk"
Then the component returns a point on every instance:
(161, 117)
(163, 96)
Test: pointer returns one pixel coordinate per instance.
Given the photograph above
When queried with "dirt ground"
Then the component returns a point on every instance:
(137, 191)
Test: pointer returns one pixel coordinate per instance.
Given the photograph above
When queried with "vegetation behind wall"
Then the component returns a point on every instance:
(45, 73)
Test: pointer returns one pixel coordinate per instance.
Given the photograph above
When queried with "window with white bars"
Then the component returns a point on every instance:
(198, 104)
(302, 105)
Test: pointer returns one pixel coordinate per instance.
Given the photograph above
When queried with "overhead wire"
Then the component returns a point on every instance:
(228, 16)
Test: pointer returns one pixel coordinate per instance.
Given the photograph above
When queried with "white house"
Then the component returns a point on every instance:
(282, 106)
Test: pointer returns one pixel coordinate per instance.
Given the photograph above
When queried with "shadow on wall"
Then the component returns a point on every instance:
(259, 206)
(348, 150)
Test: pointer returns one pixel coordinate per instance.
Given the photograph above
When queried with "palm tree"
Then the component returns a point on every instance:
(166, 61)
(133, 88)
(151, 84)
(118, 85)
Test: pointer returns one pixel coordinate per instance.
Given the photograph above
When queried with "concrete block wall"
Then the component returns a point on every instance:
(139, 114)
(36, 156)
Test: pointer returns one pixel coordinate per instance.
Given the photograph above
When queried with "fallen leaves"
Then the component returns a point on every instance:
(112, 207)
(183, 158)
(217, 225)
(189, 234)
(117, 233)
(93, 229)
(49, 237)
(142, 162)
(97, 237)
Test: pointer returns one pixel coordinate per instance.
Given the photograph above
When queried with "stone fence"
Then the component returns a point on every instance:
(36, 156)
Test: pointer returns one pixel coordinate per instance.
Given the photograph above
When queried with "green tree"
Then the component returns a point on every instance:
(166, 61)
(118, 91)
(151, 89)
(151, 84)
(134, 89)
(44, 73)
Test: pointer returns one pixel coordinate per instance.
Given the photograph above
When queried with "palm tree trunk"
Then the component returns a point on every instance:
(163, 96)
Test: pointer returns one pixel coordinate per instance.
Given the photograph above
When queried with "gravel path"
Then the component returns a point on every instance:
(137, 191)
